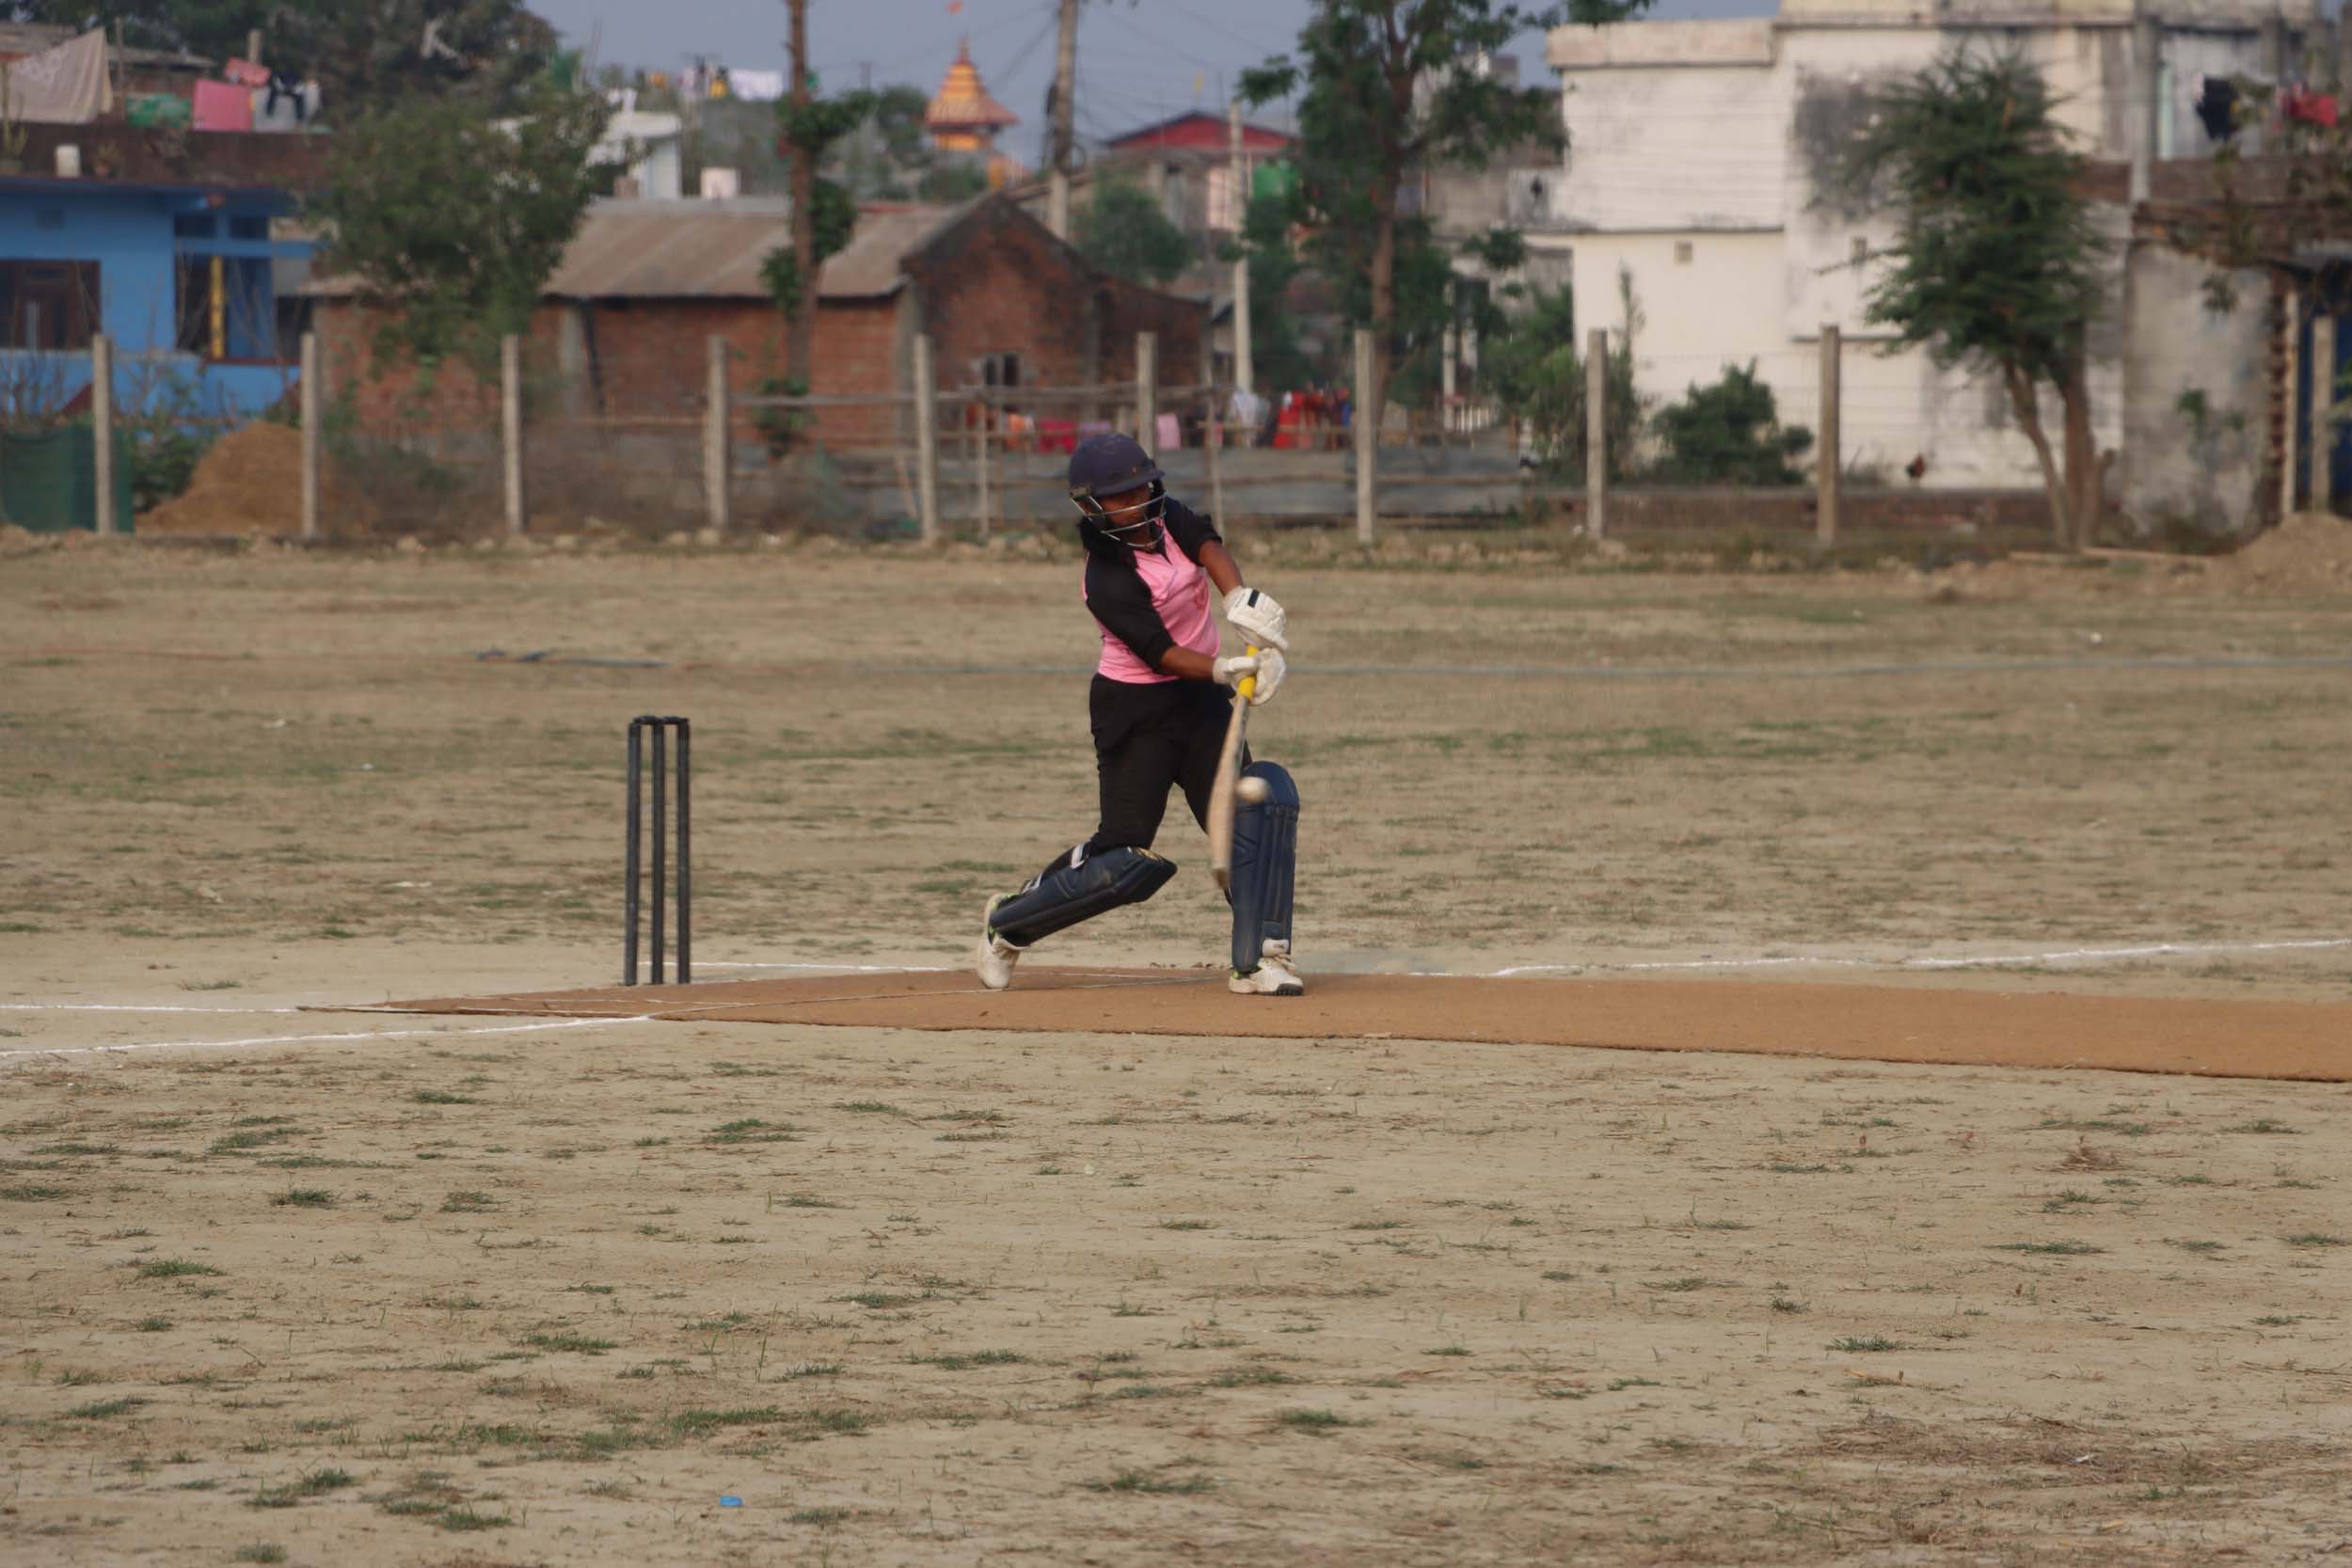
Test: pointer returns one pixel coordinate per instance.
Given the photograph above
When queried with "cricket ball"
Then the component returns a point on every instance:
(1251, 788)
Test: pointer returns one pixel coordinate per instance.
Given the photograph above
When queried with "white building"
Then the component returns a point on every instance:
(651, 144)
(1701, 163)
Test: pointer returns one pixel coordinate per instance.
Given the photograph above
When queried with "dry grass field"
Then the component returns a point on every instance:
(320, 1287)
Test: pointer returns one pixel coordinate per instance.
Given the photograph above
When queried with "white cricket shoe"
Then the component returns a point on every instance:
(1273, 977)
(996, 955)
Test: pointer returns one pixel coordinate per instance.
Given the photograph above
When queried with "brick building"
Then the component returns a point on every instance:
(622, 331)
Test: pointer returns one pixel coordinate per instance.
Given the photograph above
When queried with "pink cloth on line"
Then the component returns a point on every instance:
(1180, 592)
(223, 106)
(245, 74)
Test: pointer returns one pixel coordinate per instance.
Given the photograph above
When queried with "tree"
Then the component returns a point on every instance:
(1277, 357)
(1389, 84)
(361, 52)
(1536, 374)
(807, 126)
(1728, 434)
(456, 220)
(1124, 232)
(1997, 263)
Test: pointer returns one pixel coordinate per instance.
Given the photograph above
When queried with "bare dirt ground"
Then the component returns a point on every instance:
(421, 1291)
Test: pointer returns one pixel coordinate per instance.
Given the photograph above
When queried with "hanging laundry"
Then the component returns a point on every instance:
(2216, 107)
(286, 104)
(223, 106)
(69, 84)
(2312, 108)
(246, 74)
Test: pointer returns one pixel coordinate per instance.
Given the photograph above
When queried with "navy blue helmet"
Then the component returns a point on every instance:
(1114, 465)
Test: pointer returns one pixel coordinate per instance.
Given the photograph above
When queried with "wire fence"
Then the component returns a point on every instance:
(669, 434)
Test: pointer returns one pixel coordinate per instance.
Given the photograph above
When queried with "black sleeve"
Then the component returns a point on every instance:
(1116, 596)
(1190, 530)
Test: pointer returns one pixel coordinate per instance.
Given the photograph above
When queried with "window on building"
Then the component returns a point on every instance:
(997, 370)
(228, 309)
(1861, 250)
(248, 226)
(1682, 253)
(48, 304)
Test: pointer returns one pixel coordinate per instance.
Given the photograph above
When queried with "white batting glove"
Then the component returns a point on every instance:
(1257, 617)
(1272, 667)
(1230, 671)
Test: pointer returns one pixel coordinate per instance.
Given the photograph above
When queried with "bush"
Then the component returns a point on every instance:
(1536, 374)
(1728, 434)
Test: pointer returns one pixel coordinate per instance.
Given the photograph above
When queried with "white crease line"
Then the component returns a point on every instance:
(2154, 950)
(855, 969)
(309, 1040)
(126, 1007)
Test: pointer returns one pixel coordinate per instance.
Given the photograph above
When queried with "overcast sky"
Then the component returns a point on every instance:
(1138, 61)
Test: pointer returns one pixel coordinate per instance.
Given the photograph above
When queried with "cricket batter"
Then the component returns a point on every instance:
(1158, 708)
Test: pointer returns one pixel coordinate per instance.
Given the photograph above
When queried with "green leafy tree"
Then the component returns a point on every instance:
(1124, 232)
(361, 52)
(1728, 434)
(808, 124)
(1386, 84)
(1535, 371)
(1277, 356)
(455, 221)
(1997, 263)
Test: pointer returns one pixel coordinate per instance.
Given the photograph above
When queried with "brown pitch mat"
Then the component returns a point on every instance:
(2219, 1038)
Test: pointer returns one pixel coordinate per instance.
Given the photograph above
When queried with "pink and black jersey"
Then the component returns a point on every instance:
(1149, 601)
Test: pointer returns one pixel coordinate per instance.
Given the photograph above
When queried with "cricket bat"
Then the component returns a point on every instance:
(1228, 775)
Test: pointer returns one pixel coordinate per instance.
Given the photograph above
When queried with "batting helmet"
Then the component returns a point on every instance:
(1113, 465)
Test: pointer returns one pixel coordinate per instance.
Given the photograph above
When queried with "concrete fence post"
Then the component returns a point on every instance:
(925, 439)
(1829, 479)
(511, 429)
(1596, 433)
(717, 429)
(1212, 437)
(983, 439)
(313, 400)
(2323, 402)
(1148, 390)
(1367, 440)
(102, 410)
(2287, 320)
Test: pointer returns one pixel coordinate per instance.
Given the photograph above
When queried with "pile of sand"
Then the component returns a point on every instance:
(2308, 551)
(250, 483)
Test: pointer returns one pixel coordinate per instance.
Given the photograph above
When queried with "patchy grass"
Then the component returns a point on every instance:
(1144, 1481)
(2052, 1249)
(1316, 1423)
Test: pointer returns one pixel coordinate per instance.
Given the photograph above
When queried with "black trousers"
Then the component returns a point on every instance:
(1149, 739)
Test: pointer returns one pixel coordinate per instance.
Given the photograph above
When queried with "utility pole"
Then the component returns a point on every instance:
(801, 331)
(1065, 109)
(1242, 377)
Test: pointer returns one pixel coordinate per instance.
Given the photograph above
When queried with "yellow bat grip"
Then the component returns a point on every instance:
(1248, 683)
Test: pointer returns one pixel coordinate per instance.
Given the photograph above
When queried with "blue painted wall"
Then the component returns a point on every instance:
(136, 236)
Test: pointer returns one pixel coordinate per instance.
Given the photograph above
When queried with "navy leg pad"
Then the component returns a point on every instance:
(1265, 858)
(1064, 894)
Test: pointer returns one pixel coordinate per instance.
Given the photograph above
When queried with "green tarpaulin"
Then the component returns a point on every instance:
(48, 480)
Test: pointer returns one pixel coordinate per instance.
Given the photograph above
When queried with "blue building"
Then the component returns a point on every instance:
(175, 246)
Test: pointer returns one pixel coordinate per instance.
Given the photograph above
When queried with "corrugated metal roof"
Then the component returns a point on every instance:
(671, 250)
(869, 267)
(713, 250)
